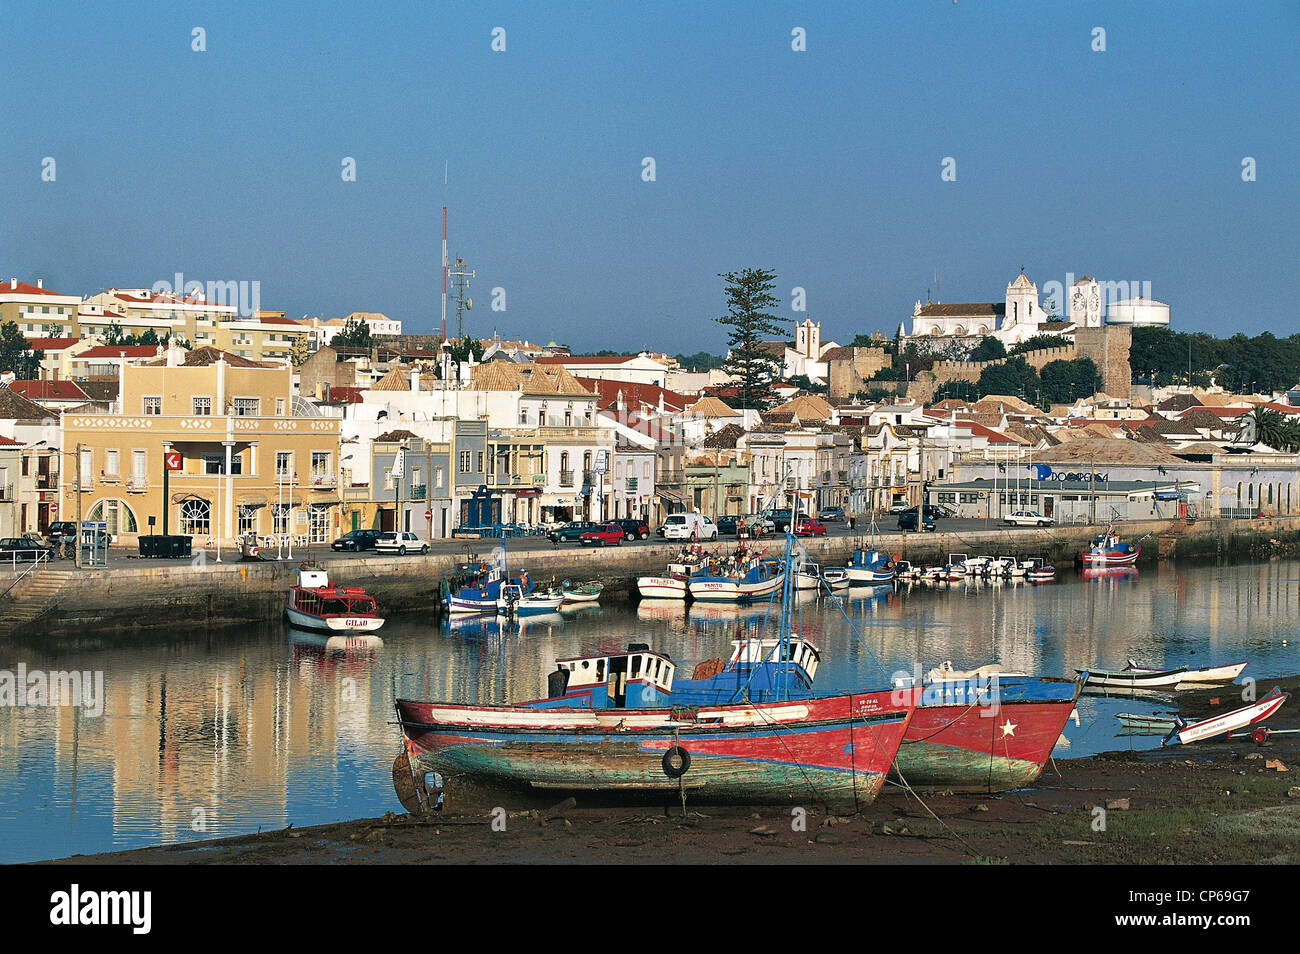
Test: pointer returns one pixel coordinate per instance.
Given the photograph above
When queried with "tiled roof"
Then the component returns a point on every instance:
(116, 351)
(529, 378)
(15, 407)
(398, 379)
(724, 437)
(199, 358)
(8, 442)
(982, 309)
(585, 359)
(807, 407)
(49, 390)
(1089, 449)
(23, 288)
(634, 395)
(51, 344)
(711, 407)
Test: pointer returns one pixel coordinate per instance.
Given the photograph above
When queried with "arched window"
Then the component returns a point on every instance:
(196, 516)
(1239, 493)
(116, 514)
(1270, 495)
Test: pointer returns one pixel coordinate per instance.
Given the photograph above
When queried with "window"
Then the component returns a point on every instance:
(464, 462)
(320, 463)
(437, 474)
(203, 406)
(280, 518)
(479, 461)
(214, 463)
(152, 406)
(110, 463)
(247, 520)
(116, 514)
(139, 464)
(196, 516)
(247, 407)
(319, 523)
(523, 416)
(388, 478)
(279, 407)
(282, 465)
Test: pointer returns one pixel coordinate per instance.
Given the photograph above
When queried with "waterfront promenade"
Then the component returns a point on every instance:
(60, 599)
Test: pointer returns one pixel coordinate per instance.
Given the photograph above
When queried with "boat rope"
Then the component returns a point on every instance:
(904, 784)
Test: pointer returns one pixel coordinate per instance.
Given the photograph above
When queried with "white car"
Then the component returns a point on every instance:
(1027, 518)
(688, 526)
(401, 542)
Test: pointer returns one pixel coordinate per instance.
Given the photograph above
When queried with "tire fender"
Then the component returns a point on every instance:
(676, 762)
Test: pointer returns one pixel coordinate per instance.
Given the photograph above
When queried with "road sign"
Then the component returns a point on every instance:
(172, 460)
(428, 515)
(600, 467)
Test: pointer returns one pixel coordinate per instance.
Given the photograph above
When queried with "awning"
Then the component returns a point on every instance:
(250, 500)
(672, 496)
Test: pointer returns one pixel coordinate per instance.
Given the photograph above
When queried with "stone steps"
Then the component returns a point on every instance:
(30, 599)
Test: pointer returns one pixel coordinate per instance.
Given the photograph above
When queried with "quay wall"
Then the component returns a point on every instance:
(152, 594)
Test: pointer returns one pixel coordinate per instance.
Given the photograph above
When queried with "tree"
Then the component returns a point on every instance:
(868, 341)
(355, 334)
(147, 337)
(16, 354)
(752, 367)
(700, 361)
(887, 374)
(465, 349)
(805, 383)
(1041, 342)
(1269, 427)
(989, 349)
(1014, 376)
(1066, 381)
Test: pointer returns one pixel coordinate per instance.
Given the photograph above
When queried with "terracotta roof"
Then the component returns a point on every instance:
(7, 442)
(528, 378)
(634, 395)
(15, 407)
(724, 437)
(392, 437)
(100, 390)
(23, 288)
(711, 407)
(398, 379)
(840, 353)
(115, 351)
(1090, 449)
(1004, 402)
(338, 394)
(198, 358)
(51, 344)
(806, 407)
(982, 309)
(50, 390)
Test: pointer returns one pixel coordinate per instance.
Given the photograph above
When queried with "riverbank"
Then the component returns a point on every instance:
(1227, 802)
(61, 601)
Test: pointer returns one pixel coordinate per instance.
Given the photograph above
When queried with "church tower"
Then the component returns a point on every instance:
(808, 338)
(1085, 303)
(1022, 306)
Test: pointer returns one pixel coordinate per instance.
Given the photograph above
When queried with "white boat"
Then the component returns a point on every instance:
(515, 602)
(314, 603)
(588, 592)
(807, 578)
(758, 581)
(672, 584)
(836, 578)
(1134, 676)
(1184, 733)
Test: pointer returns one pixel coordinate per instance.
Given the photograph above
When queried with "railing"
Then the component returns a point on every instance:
(39, 558)
(284, 479)
(566, 478)
(137, 485)
(323, 480)
(46, 481)
(7, 493)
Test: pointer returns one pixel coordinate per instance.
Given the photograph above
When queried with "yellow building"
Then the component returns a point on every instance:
(37, 311)
(254, 458)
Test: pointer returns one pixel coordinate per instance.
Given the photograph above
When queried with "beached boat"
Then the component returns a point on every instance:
(983, 730)
(618, 723)
(314, 603)
(588, 592)
(1134, 676)
(1184, 732)
(1137, 724)
(1108, 550)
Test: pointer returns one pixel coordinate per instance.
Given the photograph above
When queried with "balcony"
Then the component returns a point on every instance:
(137, 485)
(323, 480)
(47, 481)
(842, 476)
(285, 479)
(6, 493)
(566, 478)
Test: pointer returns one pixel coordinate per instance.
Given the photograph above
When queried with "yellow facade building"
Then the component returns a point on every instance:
(253, 458)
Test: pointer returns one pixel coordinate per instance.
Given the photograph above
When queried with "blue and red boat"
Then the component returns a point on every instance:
(477, 588)
(1108, 551)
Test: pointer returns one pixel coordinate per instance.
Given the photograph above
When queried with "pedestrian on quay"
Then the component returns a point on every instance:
(853, 520)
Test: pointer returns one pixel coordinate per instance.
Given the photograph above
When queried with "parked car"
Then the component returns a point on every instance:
(830, 514)
(688, 526)
(401, 542)
(758, 523)
(356, 540)
(611, 534)
(1027, 518)
(728, 524)
(634, 529)
(571, 531)
(808, 527)
(18, 549)
(900, 507)
(61, 531)
(907, 520)
(780, 519)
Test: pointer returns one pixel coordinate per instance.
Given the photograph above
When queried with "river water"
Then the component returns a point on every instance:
(209, 733)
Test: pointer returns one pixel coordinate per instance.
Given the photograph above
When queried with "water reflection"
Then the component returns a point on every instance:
(216, 732)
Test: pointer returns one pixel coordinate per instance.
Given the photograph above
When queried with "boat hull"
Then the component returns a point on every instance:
(716, 589)
(661, 588)
(1109, 558)
(965, 747)
(834, 750)
(333, 624)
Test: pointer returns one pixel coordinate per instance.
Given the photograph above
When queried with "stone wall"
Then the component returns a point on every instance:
(850, 375)
(1108, 347)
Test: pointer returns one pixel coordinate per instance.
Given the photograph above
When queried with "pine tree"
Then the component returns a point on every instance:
(749, 365)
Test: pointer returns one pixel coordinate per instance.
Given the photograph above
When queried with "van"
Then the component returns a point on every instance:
(688, 526)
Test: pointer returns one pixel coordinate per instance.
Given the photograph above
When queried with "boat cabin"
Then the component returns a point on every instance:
(639, 677)
(315, 596)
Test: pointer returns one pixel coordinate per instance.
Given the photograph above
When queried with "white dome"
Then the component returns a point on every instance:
(1137, 311)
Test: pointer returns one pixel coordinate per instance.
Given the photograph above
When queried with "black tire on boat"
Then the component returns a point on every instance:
(676, 762)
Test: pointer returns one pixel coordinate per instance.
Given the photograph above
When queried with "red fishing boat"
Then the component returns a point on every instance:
(317, 604)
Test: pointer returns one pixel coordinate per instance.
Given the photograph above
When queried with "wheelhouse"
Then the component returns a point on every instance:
(638, 677)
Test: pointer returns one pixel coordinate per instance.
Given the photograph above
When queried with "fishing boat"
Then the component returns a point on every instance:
(476, 587)
(1108, 550)
(983, 730)
(904, 570)
(836, 578)
(1184, 732)
(1134, 676)
(871, 566)
(738, 581)
(807, 577)
(672, 584)
(516, 601)
(315, 603)
(588, 592)
(1039, 571)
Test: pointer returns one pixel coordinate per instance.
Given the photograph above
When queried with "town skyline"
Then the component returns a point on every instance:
(548, 190)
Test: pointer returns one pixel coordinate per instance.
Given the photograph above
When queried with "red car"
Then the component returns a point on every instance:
(609, 533)
(807, 527)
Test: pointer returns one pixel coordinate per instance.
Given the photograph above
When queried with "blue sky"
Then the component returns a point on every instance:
(823, 165)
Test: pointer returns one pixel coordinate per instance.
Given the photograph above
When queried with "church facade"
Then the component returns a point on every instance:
(1016, 318)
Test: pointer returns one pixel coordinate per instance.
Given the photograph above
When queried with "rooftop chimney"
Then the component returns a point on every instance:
(13, 284)
(40, 283)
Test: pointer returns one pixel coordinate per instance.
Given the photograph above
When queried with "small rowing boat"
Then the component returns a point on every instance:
(588, 592)
(1183, 733)
(1134, 676)
(1136, 724)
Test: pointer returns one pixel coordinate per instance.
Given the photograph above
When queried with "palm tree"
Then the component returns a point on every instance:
(1270, 427)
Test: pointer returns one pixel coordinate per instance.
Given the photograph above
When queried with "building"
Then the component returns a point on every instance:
(253, 458)
(38, 311)
(643, 368)
(31, 485)
(1011, 321)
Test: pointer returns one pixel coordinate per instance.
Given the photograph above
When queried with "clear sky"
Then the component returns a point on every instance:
(824, 165)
